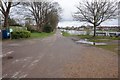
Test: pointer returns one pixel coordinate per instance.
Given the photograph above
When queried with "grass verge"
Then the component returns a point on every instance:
(103, 39)
(33, 35)
(41, 35)
(113, 48)
(98, 38)
(66, 34)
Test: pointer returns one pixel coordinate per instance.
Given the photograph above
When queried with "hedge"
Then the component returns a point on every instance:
(20, 34)
(47, 28)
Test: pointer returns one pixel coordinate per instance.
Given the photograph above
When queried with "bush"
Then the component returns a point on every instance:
(12, 22)
(20, 34)
(28, 27)
(17, 28)
(47, 28)
(19, 25)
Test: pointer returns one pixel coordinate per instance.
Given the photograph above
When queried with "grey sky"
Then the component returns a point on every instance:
(68, 7)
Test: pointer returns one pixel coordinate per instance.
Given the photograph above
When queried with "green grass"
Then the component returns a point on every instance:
(103, 39)
(84, 36)
(98, 38)
(33, 36)
(112, 48)
(41, 35)
(94, 39)
(66, 34)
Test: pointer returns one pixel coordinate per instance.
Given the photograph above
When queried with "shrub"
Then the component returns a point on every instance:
(47, 28)
(12, 22)
(28, 27)
(17, 28)
(20, 34)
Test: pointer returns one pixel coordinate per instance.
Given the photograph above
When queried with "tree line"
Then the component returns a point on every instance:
(45, 14)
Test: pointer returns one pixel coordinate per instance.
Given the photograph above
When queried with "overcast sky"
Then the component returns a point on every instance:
(69, 7)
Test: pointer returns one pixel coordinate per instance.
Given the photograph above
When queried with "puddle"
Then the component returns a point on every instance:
(88, 42)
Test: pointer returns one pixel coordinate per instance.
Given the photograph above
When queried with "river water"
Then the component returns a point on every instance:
(78, 23)
(74, 32)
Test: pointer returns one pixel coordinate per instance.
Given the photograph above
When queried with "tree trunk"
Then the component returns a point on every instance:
(39, 29)
(94, 30)
(6, 21)
(6, 15)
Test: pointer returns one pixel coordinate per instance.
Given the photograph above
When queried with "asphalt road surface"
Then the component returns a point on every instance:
(56, 57)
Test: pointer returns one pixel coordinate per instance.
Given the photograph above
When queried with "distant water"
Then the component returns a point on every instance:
(74, 32)
(77, 23)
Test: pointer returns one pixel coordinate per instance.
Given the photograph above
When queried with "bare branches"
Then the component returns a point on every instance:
(15, 4)
(96, 12)
(5, 10)
(44, 12)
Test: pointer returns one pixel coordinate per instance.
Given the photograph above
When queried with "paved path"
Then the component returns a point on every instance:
(57, 57)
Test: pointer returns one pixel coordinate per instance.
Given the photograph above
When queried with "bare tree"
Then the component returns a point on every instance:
(41, 12)
(96, 12)
(5, 7)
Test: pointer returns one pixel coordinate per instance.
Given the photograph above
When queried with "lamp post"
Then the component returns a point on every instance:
(0, 28)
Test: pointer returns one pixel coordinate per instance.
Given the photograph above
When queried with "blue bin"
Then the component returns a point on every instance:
(5, 34)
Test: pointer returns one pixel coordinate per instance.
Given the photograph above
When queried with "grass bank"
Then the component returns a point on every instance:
(66, 34)
(113, 47)
(33, 36)
(99, 39)
(103, 39)
(40, 35)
